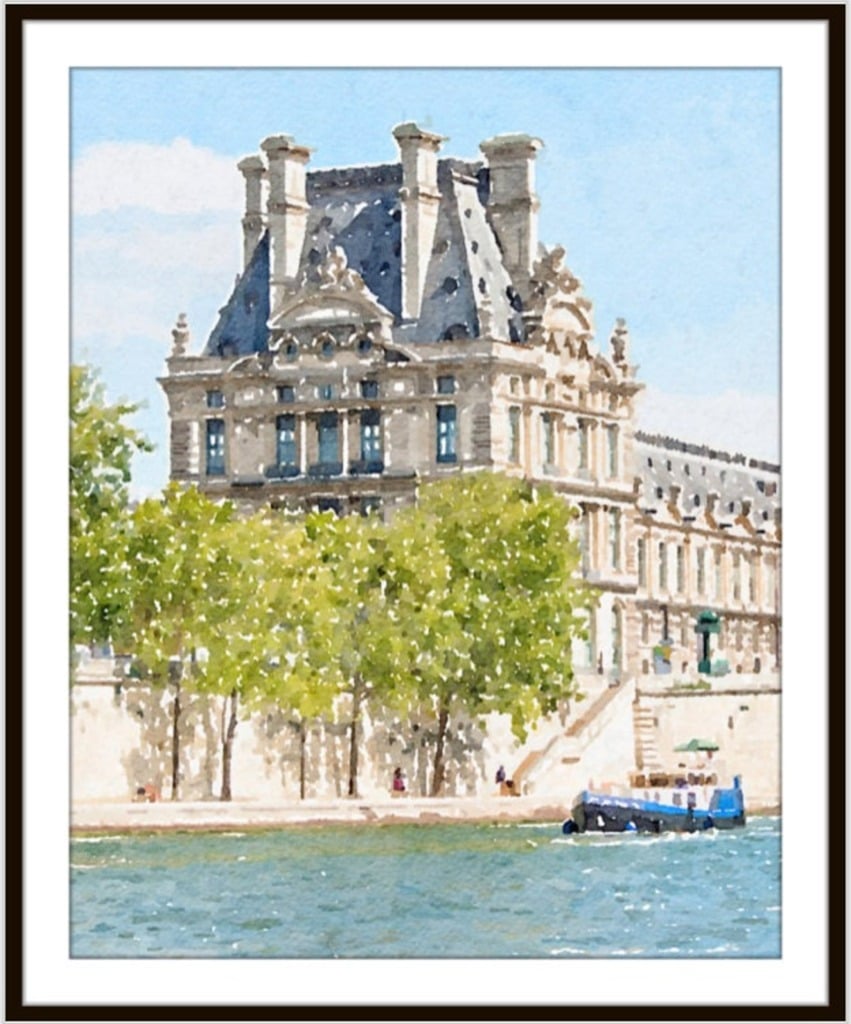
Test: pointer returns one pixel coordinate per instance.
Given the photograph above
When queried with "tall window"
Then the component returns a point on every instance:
(286, 446)
(752, 579)
(641, 557)
(701, 571)
(612, 441)
(215, 447)
(447, 433)
(585, 539)
(681, 569)
(615, 538)
(583, 444)
(370, 435)
(549, 436)
(329, 448)
(737, 577)
(514, 435)
(719, 576)
(645, 628)
(663, 567)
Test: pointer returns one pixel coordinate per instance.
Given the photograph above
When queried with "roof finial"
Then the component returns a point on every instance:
(180, 334)
(620, 343)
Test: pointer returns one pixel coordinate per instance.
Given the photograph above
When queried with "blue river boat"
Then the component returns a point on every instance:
(678, 808)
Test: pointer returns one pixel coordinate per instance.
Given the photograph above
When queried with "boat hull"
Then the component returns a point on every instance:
(597, 812)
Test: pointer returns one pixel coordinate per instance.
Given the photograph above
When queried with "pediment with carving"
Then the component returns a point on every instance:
(330, 294)
(555, 295)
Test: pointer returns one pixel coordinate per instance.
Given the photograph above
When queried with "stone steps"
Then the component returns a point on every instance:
(647, 756)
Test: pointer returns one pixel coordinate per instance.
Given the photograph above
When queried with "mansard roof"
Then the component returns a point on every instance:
(663, 463)
(241, 327)
(467, 288)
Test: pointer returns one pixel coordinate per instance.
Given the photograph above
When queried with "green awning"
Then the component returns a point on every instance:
(697, 744)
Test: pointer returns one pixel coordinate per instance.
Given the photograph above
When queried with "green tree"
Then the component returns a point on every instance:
(183, 590)
(102, 446)
(252, 656)
(347, 643)
(496, 635)
(309, 637)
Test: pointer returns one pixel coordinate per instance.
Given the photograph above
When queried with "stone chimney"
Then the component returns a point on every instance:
(286, 212)
(512, 204)
(420, 197)
(253, 170)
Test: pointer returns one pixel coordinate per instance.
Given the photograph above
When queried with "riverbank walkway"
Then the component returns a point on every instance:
(213, 815)
(236, 814)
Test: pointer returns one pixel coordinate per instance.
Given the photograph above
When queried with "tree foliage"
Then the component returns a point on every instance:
(495, 634)
(185, 588)
(102, 446)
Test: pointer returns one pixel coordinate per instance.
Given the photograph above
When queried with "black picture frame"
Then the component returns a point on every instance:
(20, 524)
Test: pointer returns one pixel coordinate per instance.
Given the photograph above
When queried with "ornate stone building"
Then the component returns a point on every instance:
(399, 323)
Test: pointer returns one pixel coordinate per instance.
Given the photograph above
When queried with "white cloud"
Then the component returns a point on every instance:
(209, 248)
(177, 178)
(732, 421)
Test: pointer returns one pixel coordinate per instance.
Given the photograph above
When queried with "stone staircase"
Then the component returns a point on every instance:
(647, 756)
(565, 750)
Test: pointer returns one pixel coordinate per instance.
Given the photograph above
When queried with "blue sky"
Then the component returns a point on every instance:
(663, 186)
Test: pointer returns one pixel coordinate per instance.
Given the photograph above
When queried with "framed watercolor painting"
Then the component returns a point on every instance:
(431, 603)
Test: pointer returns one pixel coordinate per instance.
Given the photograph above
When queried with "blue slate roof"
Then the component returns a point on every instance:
(358, 209)
(241, 327)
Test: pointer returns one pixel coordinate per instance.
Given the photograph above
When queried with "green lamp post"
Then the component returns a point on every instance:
(707, 623)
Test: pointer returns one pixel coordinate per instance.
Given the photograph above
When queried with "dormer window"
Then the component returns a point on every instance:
(291, 351)
(364, 345)
(326, 348)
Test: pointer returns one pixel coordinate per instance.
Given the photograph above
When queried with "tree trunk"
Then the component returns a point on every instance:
(353, 741)
(175, 743)
(437, 780)
(302, 741)
(227, 746)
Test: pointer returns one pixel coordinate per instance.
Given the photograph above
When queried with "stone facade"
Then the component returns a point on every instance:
(395, 324)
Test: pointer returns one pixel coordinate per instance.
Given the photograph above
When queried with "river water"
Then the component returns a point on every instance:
(428, 891)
